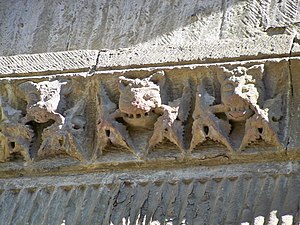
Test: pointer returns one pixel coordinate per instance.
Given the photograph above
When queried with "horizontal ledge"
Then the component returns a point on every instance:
(222, 171)
(67, 166)
(108, 71)
(44, 63)
(147, 55)
(225, 50)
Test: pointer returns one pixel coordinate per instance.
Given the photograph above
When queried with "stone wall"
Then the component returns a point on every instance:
(37, 26)
(69, 123)
(196, 121)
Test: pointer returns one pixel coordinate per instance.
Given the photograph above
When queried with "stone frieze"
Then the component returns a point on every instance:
(144, 115)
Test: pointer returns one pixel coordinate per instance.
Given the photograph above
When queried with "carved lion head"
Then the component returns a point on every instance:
(139, 98)
(241, 90)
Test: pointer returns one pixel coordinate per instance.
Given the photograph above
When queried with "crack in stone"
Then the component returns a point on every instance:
(223, 8)
(71, 30)
(291, 86)
(93, 68)
(289, 60)
(287, 146)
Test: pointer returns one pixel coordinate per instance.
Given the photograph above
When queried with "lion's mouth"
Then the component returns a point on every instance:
(138, 115)
(146, 119)
(239, 115)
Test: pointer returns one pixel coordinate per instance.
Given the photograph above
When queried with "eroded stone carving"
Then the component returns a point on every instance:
(109, 130)
(45, 101)
(141, 109)
(42, 100)
(66, 138)
(235, 108)
(206, 124)
(170, 124)
(244, 115)
(15, 137)
(140, 99)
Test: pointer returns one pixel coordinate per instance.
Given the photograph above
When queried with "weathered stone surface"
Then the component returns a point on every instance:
(199, 195)
(47, 62)
(198, 52)
(196, 121)
(42, 26)
(232, 110)
(293, 133)
(150, 55)
(168, 120)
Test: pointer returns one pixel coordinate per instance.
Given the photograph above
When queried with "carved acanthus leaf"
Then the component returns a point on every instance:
(185, 103)
(206, 124)
(66, 138)
(257, 128)
(108, 129)
(15, 137)
(168, 127)
(170, 124)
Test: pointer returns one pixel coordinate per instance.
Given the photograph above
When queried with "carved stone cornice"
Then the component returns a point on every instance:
(82, 118)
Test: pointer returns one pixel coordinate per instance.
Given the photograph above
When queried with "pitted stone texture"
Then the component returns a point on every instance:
(197, 52)
(47, 62)
(149, 54)
(180, 113)
(43, 26)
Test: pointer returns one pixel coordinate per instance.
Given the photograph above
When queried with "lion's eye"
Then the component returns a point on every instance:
(245, 90)
(147, 96)
(228, 87)
(33, 96)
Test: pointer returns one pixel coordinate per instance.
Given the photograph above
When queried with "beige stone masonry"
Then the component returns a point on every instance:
(209, 113)
(149, 112)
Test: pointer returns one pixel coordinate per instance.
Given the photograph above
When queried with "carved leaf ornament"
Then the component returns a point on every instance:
(51, 124)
